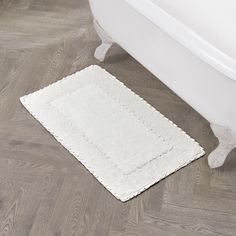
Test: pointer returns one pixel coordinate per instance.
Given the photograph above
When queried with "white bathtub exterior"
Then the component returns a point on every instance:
(206, 89)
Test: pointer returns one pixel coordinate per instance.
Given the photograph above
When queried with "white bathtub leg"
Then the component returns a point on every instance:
(227, 142)
(107, 42)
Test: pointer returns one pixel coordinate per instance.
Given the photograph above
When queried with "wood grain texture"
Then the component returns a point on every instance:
(43, 189)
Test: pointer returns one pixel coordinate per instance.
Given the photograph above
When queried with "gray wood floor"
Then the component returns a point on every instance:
(44, 190)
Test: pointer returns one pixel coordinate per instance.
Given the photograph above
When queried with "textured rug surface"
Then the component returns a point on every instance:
(121, 139)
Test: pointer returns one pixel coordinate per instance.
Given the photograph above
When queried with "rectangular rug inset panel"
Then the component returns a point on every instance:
(121, 139)
(116, 132)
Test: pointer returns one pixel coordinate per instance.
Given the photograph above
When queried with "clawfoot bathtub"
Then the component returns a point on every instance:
(182, 44)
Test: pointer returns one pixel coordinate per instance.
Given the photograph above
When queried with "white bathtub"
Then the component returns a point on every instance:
(187, 47)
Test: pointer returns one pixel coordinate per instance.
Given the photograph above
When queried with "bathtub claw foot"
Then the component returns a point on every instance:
(101, 51)
(227, 142)
(107, 42)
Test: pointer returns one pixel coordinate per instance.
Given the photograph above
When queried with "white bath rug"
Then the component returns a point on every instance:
(122, 140)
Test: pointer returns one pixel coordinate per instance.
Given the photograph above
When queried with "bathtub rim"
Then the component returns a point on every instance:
(186, 37)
